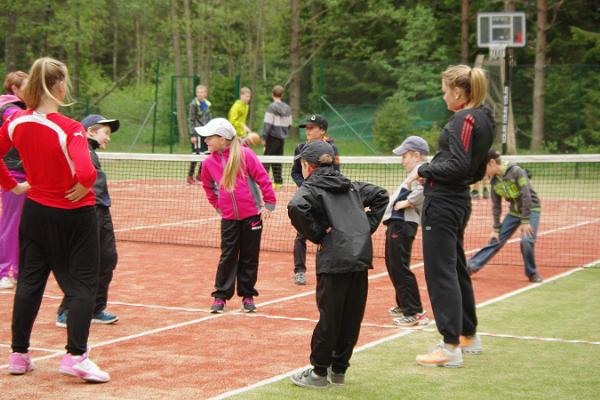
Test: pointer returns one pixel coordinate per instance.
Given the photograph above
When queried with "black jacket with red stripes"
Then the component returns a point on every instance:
(462, 153)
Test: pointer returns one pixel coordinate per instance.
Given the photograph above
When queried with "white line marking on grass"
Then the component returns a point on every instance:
(538, 338)
(404, 332)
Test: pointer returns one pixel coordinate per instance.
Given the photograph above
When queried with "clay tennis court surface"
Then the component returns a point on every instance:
(167, 344)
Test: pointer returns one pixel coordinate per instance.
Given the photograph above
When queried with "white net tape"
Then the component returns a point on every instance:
(497, 52)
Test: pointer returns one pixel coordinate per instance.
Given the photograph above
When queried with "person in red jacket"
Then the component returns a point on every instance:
(59, 230)
(234, 180)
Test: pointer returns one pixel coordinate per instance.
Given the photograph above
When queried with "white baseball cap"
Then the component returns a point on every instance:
(217, 126)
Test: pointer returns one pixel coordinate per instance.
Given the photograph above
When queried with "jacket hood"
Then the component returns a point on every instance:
(281, 109)
(330, 180)
(9, 98)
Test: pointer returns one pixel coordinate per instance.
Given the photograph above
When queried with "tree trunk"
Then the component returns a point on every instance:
(10, 48)
(115, 52)
(257, 54)
(537, 134)
(74, 67)
(464, 32)
(295, 58)
(138, 52)
(188, 44)
(511, 132)
(180, 104)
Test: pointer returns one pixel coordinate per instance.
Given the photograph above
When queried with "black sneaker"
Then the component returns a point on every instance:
(535, 278)
(248, 305)
(218, 306)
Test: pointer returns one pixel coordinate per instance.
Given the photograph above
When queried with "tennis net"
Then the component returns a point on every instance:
(152, 202)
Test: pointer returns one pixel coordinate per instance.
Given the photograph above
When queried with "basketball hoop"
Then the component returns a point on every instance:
(497, 51)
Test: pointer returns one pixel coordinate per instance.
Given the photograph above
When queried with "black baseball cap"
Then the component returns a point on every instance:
(315, 119)
(95, 119)
(313, 151)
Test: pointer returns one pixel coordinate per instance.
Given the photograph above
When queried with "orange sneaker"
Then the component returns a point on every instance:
(471, 344)
(441, 356)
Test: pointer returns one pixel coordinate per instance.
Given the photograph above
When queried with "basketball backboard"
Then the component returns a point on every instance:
(501, 29)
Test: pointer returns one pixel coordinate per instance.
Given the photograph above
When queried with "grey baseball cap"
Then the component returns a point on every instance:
(313, 151)
(217, 126)
(412, 143)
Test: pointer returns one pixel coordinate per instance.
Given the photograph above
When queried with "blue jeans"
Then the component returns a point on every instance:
(509, 226)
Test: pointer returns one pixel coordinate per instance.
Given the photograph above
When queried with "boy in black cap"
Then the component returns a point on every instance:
(316, 130)
(329, 210)
(98, 132)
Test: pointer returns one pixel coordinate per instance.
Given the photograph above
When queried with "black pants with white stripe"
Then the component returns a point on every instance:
(443, 226)
(66, 243)
(240, 247)
(341, 299)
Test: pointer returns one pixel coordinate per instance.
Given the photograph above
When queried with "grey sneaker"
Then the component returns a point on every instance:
(471, 344)
(300, 278)
(407, 321)
(335, 378)
(535, 278)
(309, 379)
(396, 311)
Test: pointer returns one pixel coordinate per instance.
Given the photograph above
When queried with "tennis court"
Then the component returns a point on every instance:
(167, 344)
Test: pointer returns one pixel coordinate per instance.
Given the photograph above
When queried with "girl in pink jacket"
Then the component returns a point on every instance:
(234, 179)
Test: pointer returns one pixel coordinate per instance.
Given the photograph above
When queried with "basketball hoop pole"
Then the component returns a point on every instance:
(506, 98)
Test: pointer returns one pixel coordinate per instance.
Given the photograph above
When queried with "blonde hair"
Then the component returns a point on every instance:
(471, 80)
(15, 78)
(201, 87)
(245, 90)
(43, 75)
(235, 163)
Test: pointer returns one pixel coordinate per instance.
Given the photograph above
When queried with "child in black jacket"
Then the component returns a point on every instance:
(329, 210)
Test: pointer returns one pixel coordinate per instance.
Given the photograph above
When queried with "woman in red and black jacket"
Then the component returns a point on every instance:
(58, 229)
(460, 161)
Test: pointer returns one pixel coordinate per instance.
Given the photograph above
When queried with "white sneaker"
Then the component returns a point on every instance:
(82, 367)
(442, 356)
(471, 345)
(6, 283)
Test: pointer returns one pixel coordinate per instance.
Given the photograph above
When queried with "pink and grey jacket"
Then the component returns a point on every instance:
(245, 200)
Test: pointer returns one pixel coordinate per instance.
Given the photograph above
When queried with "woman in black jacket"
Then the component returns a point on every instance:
(459, 162)
(329, 210)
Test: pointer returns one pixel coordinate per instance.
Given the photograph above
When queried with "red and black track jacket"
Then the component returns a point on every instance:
(462, 153)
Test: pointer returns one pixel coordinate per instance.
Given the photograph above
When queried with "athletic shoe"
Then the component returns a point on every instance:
(61, 319)
(104, 317)
(277, 186)
(407, 321)
(535, 278)
(335, 378)
(218, 306)
(471, 344)
(6, 283)
(486, 193)
(441, 356)
(309, 379)
(474, 194)
(82, 367)
(190, 180)
(248, 305)
(396, 311)
(20, 363)
(300, 278)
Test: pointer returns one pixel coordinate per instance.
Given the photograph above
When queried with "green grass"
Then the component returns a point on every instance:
(508, 369)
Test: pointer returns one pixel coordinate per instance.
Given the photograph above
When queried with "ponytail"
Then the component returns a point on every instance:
(234, 164)
(44, 74)
(471, 80)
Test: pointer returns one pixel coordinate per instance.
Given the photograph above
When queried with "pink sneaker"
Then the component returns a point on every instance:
(20, 363)
(82, 367)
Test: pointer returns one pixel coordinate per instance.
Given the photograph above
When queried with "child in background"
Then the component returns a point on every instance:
(12, 205)
(98, 132)
(402, 218)
(316, 130)
(230, 176)
(238, 113)
(329, 210)
(511, 182)
(199, 114)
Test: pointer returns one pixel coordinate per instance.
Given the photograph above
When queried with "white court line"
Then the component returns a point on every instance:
(37, 349)
(302, 319)
(395, 336)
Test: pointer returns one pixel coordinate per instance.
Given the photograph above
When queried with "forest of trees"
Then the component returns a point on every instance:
(377, 57)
